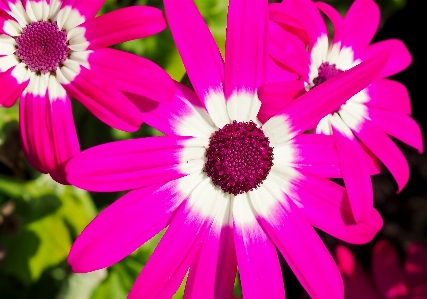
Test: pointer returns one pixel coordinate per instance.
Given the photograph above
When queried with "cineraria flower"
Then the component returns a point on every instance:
(51, 49)
(388, 280)
(228, 189)
(360, 126)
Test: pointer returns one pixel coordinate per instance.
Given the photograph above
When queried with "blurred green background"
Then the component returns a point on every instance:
(39, 219)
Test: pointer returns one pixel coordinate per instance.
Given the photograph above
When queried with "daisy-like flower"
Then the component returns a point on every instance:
(228, 189)
(388, 280)
(361, 125)
(50, 49)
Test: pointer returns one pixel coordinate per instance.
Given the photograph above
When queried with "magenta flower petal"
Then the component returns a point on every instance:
(214, 268)
(357, 283)
(246, 50)
(336, 19)
(371, 160)
(304, 251)
(400, 58)
(385, 149)
(201, 57)
(138, 216)
(64, 136)
(327, 207)
(163, 274)
(292, 53)
(123, 25)
(125, 170)
(387, 274)
(88, 9)
(408, 130)
(277, 73)
(8, 96)
(275, 96)
(389, 95)
(415, 270)
(260, 277)
(305, 113)
(108, 104)
(300, 13)
(36, 135)
(132, 74)
(360, 24)
(354, 171)
(317, 154)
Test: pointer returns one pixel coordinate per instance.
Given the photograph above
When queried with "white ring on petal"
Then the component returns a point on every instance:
(217, 108)
(6, 62)
(21, 73)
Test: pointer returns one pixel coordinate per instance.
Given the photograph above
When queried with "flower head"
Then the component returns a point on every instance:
(52, 49)
(229, 189)
(388, 280)
(360, 126)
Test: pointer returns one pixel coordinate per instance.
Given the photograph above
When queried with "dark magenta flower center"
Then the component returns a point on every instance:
(239, 157)
(326, 72)
(42, 46)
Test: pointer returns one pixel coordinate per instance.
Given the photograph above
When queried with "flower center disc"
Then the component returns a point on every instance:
(326, 71)
(239, 157)
(42, 46)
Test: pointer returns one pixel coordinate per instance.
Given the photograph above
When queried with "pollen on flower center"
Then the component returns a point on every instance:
(42, 46)
(239, 157)
(326, 72)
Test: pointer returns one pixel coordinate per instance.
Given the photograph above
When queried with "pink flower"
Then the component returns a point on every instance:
(228, 189)
(50, 49)
(388, 279)
(361, 125)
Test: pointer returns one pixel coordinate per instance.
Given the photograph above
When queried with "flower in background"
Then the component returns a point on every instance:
(361, 125)
(388, 280)
(229, 189)
(52, 49)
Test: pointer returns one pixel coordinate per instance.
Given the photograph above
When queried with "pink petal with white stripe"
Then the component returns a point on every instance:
(163, 273)
(398, 125)
(292, 53)
(108, 104)
(37, 142)
(400, 58)
(355, 173)
(213, 271)
(415, 270)
(326, 206)
(389, 95)
(123, 25)
(360, 24)
(88, 9)
(385, 149)
(9, 95)
(184, 116)
(305, 112)
(316, 154)
(246, 50)
(201, 56)
(132, 74)
(133, 219)
(336, 19)
(131, 164)
(388, 276)
(275, 96)
(304, 251)
(259, 266)
(357, 283)
(64, 136)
